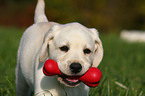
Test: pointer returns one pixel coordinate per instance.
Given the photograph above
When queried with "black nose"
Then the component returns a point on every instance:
(75, 67)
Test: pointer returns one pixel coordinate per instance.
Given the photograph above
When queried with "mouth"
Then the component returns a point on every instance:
(70, 81)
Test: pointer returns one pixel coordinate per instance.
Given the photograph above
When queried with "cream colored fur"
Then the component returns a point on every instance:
(42, 41)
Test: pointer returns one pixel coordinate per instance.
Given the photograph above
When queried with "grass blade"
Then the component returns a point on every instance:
(120, 85)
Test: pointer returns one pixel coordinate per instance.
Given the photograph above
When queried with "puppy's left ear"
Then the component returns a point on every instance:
(98, 51)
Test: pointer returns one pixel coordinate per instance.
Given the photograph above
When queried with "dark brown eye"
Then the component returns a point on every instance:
(87, 51)
(64, 48)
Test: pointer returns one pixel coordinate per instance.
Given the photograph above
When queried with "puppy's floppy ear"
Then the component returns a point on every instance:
(98, 52)
(44, 48)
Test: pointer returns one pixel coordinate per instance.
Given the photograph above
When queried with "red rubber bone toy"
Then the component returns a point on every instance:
(90, 78)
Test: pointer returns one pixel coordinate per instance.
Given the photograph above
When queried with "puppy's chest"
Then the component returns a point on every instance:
(75, 91)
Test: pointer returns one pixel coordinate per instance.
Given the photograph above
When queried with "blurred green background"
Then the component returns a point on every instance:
(105, 15)
(123, 65)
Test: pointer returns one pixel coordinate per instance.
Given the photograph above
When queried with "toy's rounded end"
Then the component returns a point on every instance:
(92, 77)
(51, 68)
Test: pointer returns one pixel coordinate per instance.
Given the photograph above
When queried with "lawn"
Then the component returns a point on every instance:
(123, 66)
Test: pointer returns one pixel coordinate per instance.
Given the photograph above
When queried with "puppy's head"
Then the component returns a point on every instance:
(75, 48)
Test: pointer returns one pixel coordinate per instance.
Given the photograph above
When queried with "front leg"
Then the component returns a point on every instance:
(47, 85)
(44, 93)
(22, 88)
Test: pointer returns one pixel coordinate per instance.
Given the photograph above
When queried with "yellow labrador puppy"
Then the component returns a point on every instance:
(74, 47)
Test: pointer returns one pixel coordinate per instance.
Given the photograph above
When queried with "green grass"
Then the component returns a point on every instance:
(9, 41)
(123, 66)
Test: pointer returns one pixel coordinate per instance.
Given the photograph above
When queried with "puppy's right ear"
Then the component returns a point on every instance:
(48, 37)
(44, 48)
